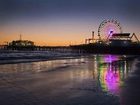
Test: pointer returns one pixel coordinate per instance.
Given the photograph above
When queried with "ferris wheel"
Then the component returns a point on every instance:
(108, 27)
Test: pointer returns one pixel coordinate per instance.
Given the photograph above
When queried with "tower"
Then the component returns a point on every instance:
(20, 37)
(92, 35)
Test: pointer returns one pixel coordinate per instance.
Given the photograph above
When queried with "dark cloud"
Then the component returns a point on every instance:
(26, 7)
(17, 8)
(50, 8)
(130, 6)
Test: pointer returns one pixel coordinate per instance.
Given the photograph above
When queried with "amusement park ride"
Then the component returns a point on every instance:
(110, 40)
(110, 32)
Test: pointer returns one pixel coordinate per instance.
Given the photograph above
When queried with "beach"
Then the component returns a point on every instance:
(90, 80)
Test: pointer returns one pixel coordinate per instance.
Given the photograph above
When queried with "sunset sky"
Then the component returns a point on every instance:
(63, 22)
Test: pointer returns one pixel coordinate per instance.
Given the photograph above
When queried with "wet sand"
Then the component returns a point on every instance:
(71, 82)
(131, 91)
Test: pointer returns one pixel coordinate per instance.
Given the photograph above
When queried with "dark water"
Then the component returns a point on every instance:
(92, 80)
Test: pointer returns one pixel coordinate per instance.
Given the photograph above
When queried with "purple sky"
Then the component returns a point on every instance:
(63, 22)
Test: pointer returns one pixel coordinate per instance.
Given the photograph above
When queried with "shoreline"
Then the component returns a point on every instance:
(14, 57)
(74, 79)
(36, 60)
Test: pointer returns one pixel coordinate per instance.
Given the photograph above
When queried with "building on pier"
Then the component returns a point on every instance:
(21, 43)
(122, 39)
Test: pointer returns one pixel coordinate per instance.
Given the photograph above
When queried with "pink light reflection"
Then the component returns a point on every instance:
(110, 58)
(112, 80)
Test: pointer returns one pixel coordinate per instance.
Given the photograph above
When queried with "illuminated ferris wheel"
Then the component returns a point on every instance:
(108, 27)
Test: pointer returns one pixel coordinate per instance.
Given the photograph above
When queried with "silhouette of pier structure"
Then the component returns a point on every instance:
(114, 42)
(110, 40)
(27, 45)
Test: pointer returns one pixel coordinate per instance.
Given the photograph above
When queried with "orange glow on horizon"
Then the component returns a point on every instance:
(44, 41)
(52, 35)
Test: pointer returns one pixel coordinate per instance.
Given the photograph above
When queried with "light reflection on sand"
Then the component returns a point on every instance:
(94, 78)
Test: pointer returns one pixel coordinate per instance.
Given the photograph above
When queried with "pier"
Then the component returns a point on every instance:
(107, 41)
